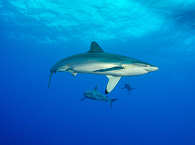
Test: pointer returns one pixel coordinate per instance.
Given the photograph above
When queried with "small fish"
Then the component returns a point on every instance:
(96, 95)
(128, 87)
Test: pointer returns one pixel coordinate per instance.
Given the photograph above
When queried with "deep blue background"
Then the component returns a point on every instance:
(160, 111)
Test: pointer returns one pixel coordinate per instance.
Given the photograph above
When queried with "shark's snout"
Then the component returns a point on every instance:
(151, 68)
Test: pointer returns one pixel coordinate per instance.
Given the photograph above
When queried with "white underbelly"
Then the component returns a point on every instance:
(91, 68)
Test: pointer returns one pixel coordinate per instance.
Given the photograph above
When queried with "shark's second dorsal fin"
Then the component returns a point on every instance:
(95, 48)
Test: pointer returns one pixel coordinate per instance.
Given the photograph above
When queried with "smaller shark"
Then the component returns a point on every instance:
(96, 95)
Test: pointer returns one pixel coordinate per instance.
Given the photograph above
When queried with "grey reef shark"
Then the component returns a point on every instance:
(96, 61)
(96, 95)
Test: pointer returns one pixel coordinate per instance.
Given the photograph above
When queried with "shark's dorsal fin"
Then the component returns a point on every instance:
(95, 48)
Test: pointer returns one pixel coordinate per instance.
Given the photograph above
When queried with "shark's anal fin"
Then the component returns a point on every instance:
(95, 48)
(112, 82)
(50, 77)
(110, 69)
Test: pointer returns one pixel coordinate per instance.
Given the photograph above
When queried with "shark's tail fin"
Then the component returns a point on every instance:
(111, 101)
(50, 77)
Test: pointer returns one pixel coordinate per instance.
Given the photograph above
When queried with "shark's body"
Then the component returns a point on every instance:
(96, 61)
(96, 95)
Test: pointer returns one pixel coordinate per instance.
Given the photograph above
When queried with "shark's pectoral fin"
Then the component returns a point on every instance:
(112, 82)
(109, 69)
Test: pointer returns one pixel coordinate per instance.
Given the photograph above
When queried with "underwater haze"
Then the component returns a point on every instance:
(35, 34)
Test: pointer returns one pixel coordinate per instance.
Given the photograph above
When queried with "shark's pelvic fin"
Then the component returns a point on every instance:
(110, 69)
(74, 74)
(70, 70)
(112, 82)
(95, 48)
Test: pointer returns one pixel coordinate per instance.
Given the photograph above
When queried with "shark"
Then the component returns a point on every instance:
(96, 95)
(97, 61)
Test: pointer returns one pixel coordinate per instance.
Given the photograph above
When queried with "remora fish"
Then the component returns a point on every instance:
(96, 95)
(96, 61)
(128, 87)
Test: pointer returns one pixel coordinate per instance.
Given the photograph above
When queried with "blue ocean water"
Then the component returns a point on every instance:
(34, 34)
